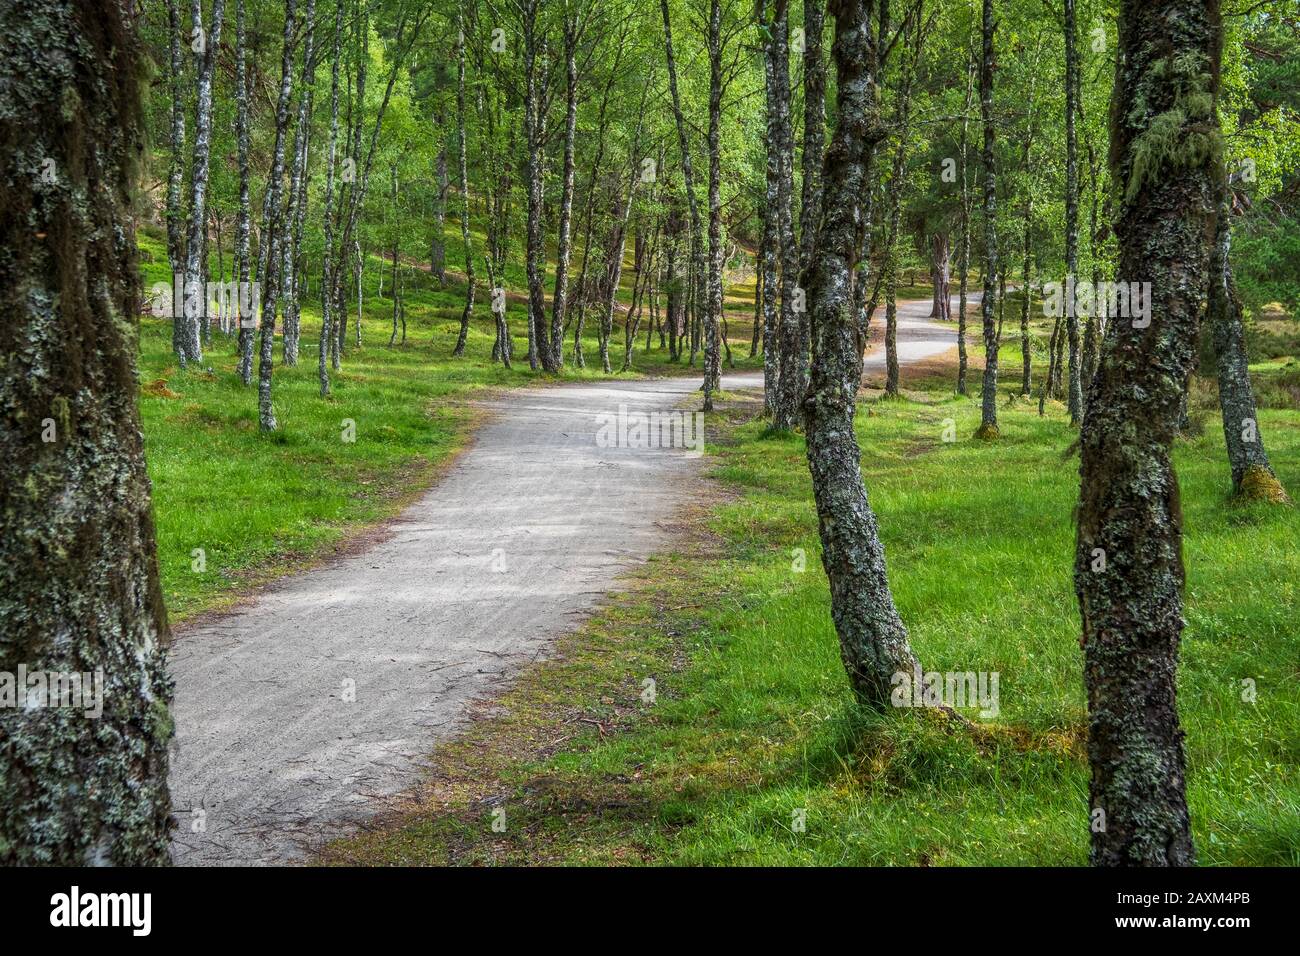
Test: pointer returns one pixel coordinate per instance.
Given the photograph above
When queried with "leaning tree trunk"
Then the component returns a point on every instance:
(989, 392)
(1128, 567)
(873, 640)
(1252, 475)
(79, 586)
(195, 283)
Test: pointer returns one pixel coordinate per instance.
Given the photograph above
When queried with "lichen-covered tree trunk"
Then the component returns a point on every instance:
(539, 343)
(243, 218)
(564, 239)
(1165, 162)
(329, 292)
(963, 248)
(696, 270)
(771, 239)
(792, 331)
(79, 589)
(712, 353)
(1075, 398)
(296, 210)
(270, 241)
(1092, 326)
(195, 282)
(463, 160)
(873, 640)
(176, 172)
(438, 241)
(1026, 273)
(940, 276)
(989, 391)
(814, 127)
(1252, 474)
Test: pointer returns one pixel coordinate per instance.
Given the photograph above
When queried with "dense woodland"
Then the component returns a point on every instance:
(579, 170)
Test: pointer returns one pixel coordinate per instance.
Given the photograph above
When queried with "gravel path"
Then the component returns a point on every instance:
(301, 713)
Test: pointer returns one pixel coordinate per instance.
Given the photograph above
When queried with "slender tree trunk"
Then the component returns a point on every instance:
(1128, 561)
(270, 228)
(176, 176)
(696, 270)
(539, 344)
(793, 335)
(463, 157)
(873, 640)
(559, 301)
(712, 354)
(1252, 474)
(963, 253)
(1075, 401)
(1026, 354)
(771, 238)
(989, 392)
(293, 219)
(756, 333)
(814, 127)
(195, 284)
(438, 241)
(328, 286)
(243, 220)
(79, 586)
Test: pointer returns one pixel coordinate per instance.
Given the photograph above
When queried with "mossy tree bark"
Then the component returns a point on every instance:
(1252, 474)
(792, 332)
(771, 225)
(873, 641)
(963, 247)
(79, 589)
(1165, 161)
(696, 270)
(713, 313)
(989, 390)
(176, 169)
(1075, 398)
(814, 126)
(462, 156)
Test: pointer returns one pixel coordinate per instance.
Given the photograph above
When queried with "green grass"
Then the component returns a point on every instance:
(260, 505)
(754, 720)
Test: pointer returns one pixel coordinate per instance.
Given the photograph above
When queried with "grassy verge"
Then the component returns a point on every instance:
(751, 752)
(236, 507)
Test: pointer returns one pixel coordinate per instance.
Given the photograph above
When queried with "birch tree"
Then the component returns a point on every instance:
(874, 645)
(1128, 571)
(79, 586)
